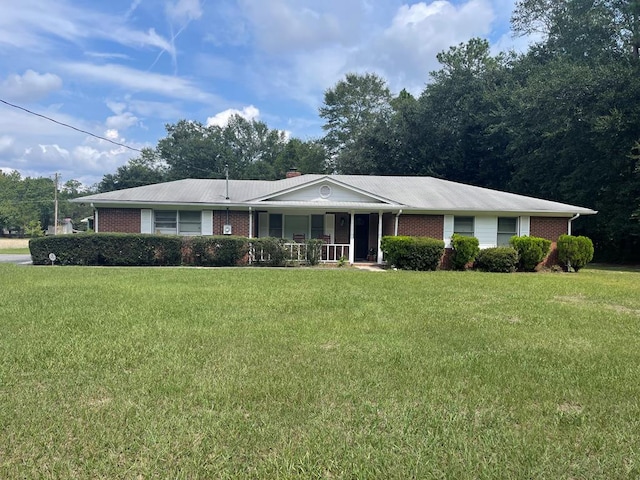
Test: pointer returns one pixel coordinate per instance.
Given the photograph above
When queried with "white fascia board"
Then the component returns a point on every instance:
(328, 179)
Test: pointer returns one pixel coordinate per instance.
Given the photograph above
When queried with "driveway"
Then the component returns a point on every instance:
(21, 259)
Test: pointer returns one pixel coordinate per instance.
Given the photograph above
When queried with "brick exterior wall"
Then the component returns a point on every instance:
(239, 222)
(120, 220)
(422, 226)
(550, 228)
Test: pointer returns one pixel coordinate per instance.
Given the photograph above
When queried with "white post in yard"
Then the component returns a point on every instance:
(379, 257)
(352, 242)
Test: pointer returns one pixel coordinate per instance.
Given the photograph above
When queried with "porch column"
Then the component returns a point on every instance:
(352, 242)
(379, 257)
(250, 223)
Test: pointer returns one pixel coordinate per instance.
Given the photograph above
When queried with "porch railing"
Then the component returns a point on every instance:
(297, 252)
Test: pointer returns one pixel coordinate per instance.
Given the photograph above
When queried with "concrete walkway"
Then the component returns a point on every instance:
(18, 259)
(370, 267)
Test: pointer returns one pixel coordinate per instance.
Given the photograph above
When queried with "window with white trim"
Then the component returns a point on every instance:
(463, 226)
(172, 222)
(507, 228)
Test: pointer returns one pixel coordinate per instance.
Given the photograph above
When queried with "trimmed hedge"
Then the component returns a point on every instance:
(269, 251)
(574, 252)
(531, 251)
(497, 259)
(108, 249)
(216, 251)
(465, 250)
(413, 253)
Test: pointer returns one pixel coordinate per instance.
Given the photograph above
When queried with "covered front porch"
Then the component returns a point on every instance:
(353, 236)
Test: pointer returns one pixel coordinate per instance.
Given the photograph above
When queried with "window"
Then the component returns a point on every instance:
(190, 222)
(166, 222)
(275, 225)
(317, 226)
(170, 222)
(296, 224)
(507, 228)
(463, 226)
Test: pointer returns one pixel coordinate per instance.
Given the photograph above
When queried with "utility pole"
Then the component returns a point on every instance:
(55, 206)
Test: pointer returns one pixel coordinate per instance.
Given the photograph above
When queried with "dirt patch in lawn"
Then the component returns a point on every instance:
(14, 242)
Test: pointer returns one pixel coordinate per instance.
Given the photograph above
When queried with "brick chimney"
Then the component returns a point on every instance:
(293, 172)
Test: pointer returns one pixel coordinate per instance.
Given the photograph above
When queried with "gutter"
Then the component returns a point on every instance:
(571, 220)
(397, 221)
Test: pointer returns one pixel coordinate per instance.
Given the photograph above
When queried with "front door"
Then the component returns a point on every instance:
(361, 236)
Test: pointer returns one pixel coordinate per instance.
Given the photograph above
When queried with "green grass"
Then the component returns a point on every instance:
(327, 373)
(15, 251)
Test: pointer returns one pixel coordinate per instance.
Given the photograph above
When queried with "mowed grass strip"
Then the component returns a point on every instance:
(318, 373)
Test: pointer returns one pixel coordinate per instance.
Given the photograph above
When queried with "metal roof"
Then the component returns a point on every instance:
(408, 193)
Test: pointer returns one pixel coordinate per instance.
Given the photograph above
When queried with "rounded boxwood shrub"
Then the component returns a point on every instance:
(531, 251)
(497, 259)
(465, 250)
(574, 252)
(412, 253)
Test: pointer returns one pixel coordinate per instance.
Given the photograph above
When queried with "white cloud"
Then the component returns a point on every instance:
(132, 79)
(121, 121)
(111, 134)
(222, 119)
(30, 86)
(5, 142)
(29, 24)
(295, 25)
(184, 11)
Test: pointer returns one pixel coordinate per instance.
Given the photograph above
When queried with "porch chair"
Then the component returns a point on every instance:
(299, 237)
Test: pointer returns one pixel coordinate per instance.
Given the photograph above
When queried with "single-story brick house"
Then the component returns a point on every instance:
(350, 212)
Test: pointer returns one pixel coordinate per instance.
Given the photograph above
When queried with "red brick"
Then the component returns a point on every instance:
(120, 220)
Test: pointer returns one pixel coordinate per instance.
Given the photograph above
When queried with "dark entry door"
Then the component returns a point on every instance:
(361, 236)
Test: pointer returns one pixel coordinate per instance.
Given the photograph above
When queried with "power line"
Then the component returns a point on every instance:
(70, 126)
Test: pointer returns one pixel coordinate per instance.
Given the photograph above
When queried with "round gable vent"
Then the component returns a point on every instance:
(325, 191)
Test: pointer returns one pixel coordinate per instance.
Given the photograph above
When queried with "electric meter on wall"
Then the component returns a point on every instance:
(226, 230)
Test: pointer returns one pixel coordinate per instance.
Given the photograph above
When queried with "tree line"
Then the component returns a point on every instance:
(560, 121)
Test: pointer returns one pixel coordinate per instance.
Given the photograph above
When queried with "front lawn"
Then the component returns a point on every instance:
(318, 373)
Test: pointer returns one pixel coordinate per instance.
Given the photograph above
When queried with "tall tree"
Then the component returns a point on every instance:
(349, 108)
(146, 169)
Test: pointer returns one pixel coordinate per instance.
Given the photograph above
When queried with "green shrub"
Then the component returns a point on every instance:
(531, 251)
(216, 251)
(269, 251)
(314, 251)
(574, 252)
(413, 253)
(497, 259)
(465, 250)
(108, 249)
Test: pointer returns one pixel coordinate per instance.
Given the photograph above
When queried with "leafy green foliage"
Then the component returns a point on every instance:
(107, 249)
(531, 251)
(465, 250)
(269, 251)
(216, 251)
(412, 253)
(575, 252)
(351, 107)
(34, 229)
(497, 259)
(314, 251)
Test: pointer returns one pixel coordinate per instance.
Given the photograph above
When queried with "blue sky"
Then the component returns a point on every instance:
(122, 69)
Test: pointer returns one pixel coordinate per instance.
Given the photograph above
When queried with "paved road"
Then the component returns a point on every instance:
(21, 259)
